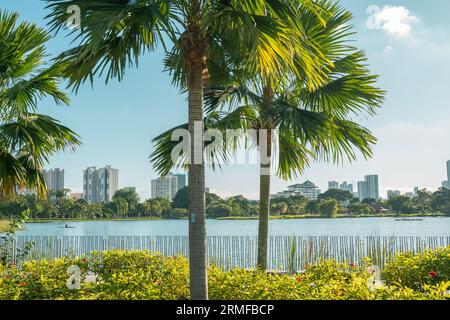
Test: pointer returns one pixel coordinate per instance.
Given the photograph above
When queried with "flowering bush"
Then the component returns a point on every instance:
(418, 270)
(141, 275)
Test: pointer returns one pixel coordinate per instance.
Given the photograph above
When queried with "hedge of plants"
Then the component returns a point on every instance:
(142, 275)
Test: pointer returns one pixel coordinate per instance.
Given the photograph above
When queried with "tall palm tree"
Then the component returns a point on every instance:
(27, 138)
(205, 36)
(312, 124)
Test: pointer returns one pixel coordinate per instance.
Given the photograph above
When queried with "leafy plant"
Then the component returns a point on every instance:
(417, 271)
(9, 254)
(113, 275)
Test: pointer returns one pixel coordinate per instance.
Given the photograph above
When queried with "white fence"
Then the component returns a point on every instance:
(285, 253)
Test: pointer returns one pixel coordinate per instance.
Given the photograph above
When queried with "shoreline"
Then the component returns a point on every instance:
(287, 217)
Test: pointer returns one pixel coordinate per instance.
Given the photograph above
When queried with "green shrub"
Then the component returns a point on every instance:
(328, 208)
(417, 270)
(142, 275)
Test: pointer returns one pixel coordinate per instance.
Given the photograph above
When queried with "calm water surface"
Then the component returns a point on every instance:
(303, 227)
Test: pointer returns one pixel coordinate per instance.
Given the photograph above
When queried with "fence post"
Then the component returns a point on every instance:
(59, 248)
(14, 251)
(105, 244)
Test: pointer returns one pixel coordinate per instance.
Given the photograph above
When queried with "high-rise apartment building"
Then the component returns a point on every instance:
(362, 190)
(346, 186)
(368, 188)
(168, 186)
(100, 184)
(54, 179)
(448, 174)
(372, 186)
(333, 185)
(343, 186)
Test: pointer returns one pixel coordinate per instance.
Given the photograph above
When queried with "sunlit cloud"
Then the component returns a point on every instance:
(396, 21)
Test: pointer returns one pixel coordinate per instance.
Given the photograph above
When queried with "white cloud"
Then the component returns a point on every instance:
(388, 50)
(395, 21)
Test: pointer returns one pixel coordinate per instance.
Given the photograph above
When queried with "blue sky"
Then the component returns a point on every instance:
(410, 51)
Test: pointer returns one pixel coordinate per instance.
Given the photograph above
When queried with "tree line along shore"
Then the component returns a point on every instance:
(126, 205)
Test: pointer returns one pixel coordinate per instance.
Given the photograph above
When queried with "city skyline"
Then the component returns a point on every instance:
(369, 188)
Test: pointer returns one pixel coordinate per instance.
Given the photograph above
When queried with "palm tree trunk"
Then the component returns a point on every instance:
(265, 148)
(197, 228)
(264, 209)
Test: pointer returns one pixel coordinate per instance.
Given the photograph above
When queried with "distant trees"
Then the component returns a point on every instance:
(126, 204)
(441, 201)
(341, 196)
(181, 199)
(399, 204)
(360, 208)
(127, 196)
(328, 208)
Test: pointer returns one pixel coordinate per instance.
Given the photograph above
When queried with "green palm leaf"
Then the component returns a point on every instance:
(27, 139)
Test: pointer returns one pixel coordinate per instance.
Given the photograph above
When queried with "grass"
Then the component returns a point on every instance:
(4, 225)
(339, 216)
(48, 220)
(273, 217)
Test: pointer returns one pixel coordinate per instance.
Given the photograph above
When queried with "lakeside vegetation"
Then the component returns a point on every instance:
(126, 205)
(4, 225)
(134, 275)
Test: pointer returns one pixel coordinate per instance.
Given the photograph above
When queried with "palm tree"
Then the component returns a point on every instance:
(205, 35)
(27, 138)
(312, 124)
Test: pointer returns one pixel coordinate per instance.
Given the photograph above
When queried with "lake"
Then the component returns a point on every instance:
(438, 226)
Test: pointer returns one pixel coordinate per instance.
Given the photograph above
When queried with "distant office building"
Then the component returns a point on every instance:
(393, 193)
(445, 184)
(100, 184)
(448, 174)
(54, 179)
(363, 192)
(372, 186)
(333, 185)
(307, 189)
(130, 189)
(346, 186)
(168, 186)
(182, 180)
(368, 189)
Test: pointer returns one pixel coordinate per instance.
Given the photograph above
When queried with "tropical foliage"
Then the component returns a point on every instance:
(27, 138)
(205, 38)
(133, 275)
(311, 122)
